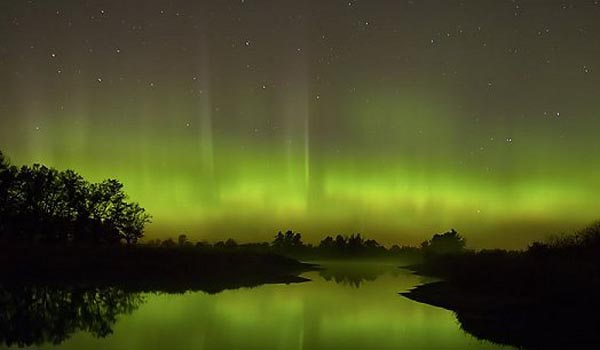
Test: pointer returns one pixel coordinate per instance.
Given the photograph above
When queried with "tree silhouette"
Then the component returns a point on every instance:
(168, 243)
(230, 243)
(327, 245)
(182, 241)
(289, 242)
(353, 245)
(41, 204)
(450, 242)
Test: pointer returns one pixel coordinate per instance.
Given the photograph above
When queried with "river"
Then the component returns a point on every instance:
(344, 306)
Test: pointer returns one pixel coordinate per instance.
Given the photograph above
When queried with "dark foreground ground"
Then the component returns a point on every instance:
(526, 300)
(144, 268)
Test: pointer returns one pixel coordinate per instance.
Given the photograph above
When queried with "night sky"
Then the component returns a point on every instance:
(395, 119)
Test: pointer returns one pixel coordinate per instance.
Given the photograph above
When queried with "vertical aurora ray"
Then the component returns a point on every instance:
(307, 150)
(204, 116)
(296, 121)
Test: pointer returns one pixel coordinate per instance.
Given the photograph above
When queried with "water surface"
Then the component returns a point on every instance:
(345, 306)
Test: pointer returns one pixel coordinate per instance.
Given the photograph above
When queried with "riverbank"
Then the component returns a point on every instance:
(142, 268)
(522, 299)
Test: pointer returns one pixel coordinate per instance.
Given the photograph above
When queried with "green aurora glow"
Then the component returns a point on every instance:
(456, 134)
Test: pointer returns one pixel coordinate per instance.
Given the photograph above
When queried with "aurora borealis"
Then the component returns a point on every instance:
(395, 119)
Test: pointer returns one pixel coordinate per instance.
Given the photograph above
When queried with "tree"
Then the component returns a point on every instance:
(355, 244)
(287, 242)
(41, 204)
(230, 243)
(7, 183)
(450, 242)
(327, 244)
(340, 244)
(168, 243)
(133, 220)
(182, 240)
(117, 219)
(372, 245)
(279, 240)
(3, 161)
(202, 244)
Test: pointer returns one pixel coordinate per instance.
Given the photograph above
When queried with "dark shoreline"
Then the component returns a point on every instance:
(556, 319)
(47, 293)
(139, 268)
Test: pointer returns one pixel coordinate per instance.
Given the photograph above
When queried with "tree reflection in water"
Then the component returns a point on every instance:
(36, 315)
(354, 274)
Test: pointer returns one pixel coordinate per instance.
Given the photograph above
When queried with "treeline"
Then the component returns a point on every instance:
(39, 204)
(290, 244)
(574, 256)
(44, 205)
(543, 297)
